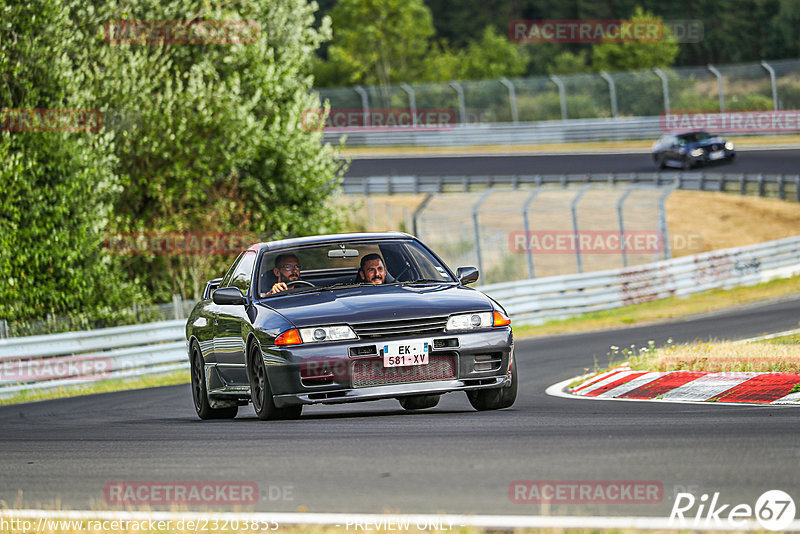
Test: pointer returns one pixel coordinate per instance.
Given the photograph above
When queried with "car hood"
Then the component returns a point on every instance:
(707, 142)
(377, 303)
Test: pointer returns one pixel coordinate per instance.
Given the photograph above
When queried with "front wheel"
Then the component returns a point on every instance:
(261, 393)
(497, 398)
(200, 393)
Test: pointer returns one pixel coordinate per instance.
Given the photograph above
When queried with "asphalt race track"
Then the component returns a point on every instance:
(373, 457)
(748, 161)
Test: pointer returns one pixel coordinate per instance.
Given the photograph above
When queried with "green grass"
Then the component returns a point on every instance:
(101, 386)
(665, 309)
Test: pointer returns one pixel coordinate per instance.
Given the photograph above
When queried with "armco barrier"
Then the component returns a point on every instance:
(59, 360)
(785, 187)
(538, 300)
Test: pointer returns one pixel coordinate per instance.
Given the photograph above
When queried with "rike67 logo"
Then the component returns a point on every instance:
(773, 510)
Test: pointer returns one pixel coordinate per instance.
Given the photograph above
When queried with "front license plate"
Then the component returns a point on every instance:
(719, 154)
(402, 353)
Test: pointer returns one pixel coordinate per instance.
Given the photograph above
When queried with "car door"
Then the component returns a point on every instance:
(229, 343)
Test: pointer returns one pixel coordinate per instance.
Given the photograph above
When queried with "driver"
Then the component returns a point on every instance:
(372, 269)
(287, 269)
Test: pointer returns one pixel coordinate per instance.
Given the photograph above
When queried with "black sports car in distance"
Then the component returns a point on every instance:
(345, 318)
(690, 149)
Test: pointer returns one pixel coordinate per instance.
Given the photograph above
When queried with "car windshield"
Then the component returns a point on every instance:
(693, 137)
(337, 265)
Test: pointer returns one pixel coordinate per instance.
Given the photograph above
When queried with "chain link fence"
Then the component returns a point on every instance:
(739, 87)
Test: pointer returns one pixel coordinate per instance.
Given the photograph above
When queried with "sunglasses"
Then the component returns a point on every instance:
(290, 267)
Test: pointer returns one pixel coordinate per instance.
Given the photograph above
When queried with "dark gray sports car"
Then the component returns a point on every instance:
(346, 318)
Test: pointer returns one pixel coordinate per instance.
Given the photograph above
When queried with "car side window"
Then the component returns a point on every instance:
(243, 273)
(227, 278)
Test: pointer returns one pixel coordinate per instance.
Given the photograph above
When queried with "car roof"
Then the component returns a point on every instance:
(328, 238)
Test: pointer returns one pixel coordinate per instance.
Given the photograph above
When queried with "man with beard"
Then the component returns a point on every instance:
(372, 269)
(287, 269)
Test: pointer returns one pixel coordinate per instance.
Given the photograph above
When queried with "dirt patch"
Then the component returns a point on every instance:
(714, 221)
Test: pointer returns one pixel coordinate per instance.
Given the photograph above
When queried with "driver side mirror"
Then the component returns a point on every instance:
(230, 296)
(467, 275)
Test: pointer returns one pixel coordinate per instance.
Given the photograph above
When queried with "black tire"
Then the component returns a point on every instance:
(419, 402)
(261, 393)
(200, 392)
(686, 164)
(497, 398)
(661, 162)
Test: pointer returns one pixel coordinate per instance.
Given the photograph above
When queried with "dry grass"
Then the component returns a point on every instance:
(718, 356)
(714, 221)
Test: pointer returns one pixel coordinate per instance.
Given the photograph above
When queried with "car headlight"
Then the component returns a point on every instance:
(473, 321)
(318, 334)
(696, 153)
(728, 145)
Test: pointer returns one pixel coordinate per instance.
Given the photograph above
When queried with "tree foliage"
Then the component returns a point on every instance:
(196, 137)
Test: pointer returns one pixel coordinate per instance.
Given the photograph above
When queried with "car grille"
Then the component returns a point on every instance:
(371, 372)
(405, 327)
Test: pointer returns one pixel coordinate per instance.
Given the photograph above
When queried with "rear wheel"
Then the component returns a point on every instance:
(200, 394)
(419, 402)
(686, 164)
(261, 393)
(495, 399)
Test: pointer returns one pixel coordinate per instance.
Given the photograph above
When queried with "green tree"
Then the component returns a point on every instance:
(380, 41)
(634, 55)
(56, 187)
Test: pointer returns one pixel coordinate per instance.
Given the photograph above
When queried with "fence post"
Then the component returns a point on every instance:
(177, 306)
(664, 87)
(713, 70)
(476, 226)
(621, 221)
(412, 101)
(612, 92)
(771, 72)
(760, 185)
(417, 211)
(562, 96)
(462, 106)
(3, 328)
(527, 227)
(797, 188)
(574, 209)
(662, 222)
(742, 185)
(722, 178)
(364, 103)
(512, 98)
(780, 187)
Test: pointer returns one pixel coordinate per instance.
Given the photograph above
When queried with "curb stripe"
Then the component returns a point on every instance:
(616, 383)
(663, 385)
(633, 384)
(708, 386)
(599, 377)
(761, 388)
(620, 375)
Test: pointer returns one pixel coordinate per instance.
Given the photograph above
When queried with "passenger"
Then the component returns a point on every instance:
(372, 269)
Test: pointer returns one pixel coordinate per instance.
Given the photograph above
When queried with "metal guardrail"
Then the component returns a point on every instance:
(61, 360)
(785, 187)
(558, 297)
(523, 133)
